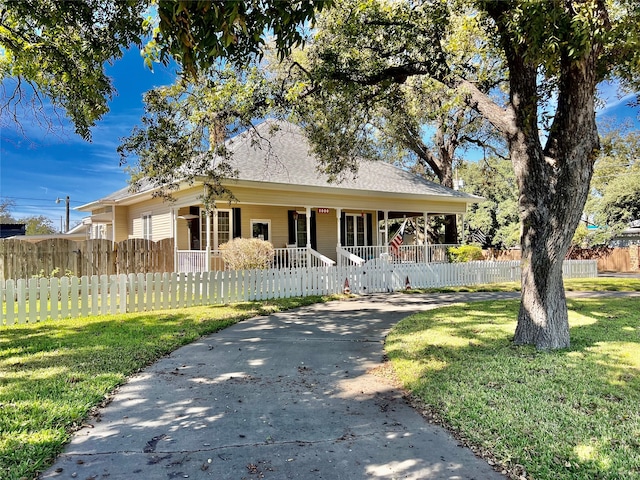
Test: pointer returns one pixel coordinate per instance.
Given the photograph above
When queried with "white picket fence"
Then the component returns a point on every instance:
(39, 299)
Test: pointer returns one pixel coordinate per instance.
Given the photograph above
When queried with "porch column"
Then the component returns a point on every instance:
(208, 233)
(174, 218)
(113, 225)
(386, 232)
(426, 238)
(462, 224)
(215, 222)
(339, 245)
(308, 236)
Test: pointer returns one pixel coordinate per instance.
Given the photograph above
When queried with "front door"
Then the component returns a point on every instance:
(355, 231)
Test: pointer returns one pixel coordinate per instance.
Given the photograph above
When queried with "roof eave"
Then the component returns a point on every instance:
(467, 199)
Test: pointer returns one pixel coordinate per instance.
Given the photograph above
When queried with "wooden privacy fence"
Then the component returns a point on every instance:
(39, 299)
(610, 259)
(60, 257)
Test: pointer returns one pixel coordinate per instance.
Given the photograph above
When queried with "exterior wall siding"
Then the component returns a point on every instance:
(327, 233)
(357, 203)
(161, 222)
(277, 216)
(121, 223)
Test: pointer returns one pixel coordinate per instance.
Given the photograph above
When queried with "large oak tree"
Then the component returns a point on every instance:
(554, 55)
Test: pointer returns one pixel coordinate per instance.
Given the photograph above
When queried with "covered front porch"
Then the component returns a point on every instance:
(302, 236)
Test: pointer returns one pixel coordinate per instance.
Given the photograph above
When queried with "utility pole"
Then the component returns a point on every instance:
(58, 200)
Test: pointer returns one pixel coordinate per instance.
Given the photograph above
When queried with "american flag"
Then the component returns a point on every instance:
(397, 239)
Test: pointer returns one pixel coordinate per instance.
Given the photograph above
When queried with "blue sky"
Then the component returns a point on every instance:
(36, 170)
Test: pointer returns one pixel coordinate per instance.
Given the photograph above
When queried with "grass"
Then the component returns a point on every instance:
(600, 284)
(515, 404)
(570, 414)
(52, 374)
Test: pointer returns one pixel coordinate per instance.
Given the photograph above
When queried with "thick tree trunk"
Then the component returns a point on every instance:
(553, 185)
(553, 181)
(543, 319)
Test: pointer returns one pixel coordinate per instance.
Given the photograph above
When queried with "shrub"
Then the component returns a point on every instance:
(247, 254)
(464, 253)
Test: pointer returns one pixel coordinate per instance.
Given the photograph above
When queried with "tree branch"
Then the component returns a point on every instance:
(503, 119)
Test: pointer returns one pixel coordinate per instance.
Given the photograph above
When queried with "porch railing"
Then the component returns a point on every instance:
(300, 257)
(196, 260)
(345, 257)
(367, 253)
(435, 253)
(191, 261)
(319, 260)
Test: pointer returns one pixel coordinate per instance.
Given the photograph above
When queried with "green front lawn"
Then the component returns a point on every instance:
(600, 284)
(53, 373)
(570, 414)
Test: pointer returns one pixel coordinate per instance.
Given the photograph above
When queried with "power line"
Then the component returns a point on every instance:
(40, 199)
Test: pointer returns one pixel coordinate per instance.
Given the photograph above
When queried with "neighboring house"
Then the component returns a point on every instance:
(78, 234)
(281, 198)
(12, 229)
(629, 236)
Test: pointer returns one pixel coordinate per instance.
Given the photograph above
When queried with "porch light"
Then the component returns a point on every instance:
(295, 215)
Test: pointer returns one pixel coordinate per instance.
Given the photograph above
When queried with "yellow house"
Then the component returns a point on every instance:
(281, 198)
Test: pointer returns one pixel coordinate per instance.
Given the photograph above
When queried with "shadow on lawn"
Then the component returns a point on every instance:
(73, 350)
(69, 353)
(544, 410)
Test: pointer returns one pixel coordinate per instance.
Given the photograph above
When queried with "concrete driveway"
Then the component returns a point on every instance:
(277, 397)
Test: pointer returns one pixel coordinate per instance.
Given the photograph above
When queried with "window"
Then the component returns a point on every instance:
(261, 229)
(355, 231)
(224, 227)
(146, 226)
(221, 228)
(98, 231)
(301, 230)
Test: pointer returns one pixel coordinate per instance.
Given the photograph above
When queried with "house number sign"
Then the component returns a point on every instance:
(322, 210)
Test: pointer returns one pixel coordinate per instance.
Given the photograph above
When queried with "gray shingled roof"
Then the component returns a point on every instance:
(283, 156)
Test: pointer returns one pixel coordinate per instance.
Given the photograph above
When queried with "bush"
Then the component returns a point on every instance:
(247, 254)
(464, 253)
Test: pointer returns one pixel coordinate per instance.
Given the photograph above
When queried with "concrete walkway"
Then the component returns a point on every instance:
(278, 397)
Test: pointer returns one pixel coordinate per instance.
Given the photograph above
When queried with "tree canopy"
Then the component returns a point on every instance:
(493, 223)
(184, 131)
(57, 50)
(615, 188)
